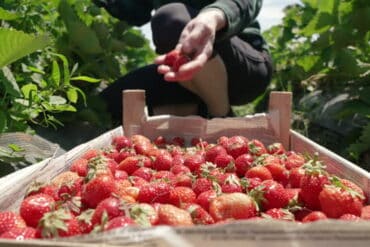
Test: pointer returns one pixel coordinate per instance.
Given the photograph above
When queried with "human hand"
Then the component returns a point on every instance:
(196, 42)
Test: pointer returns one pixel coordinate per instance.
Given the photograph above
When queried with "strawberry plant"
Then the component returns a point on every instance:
(321, 54)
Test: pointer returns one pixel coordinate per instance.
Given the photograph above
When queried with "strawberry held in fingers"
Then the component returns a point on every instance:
(175, 59)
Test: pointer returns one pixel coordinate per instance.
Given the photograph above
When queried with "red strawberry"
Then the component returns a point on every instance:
(160, 141)
(250, 183)
(278, 171)
(144, 214)
(143, 148)
(79, 166)
(314, 216)
(337, 199)
(89, 154)
(110, 207)
(183, 179)
(165, 176)
(225, 162)
(97, 190)
(243, 163)
(84, 221)
(132, 163)
(48, 189)
(59, 223)
(256, 147)
(173, 216)
(120, 175)
(205, 198)
(260, 172)
(182, 59)
(137, 181)
(178, 141)
(349, 217)
(34, 207)
(19, 233)
(271, 194)
(163, 161)
(154, 192)
(213, 151)
(276, 148)
(118, 222)
(351, 185)
(294, 160)
(295, 177)
(123, 154)
(194, 162)
(121, 142)
(231, 184)
(144, 172)
(202, 184)
(312, 183)
(171, 57)
(236, 146)
(232, 206)
(181, 195)
(176, 169)
(9, 220)
(199, 215)
(278, 214)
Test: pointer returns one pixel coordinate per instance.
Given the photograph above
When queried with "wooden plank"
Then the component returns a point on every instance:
(133, 114)
(280, 113)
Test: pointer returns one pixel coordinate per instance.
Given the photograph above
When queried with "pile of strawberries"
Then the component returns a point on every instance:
(142, 182)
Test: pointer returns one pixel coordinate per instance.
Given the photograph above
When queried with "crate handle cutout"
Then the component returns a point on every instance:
(273, 125)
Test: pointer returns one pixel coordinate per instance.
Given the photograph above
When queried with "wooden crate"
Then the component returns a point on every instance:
(269, 127)
(272, 126)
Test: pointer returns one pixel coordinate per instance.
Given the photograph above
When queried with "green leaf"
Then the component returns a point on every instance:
(133, 38)
(66, 74)
(57, 100)
(327, 6)
(308, 62)
(17, 44)
(36, 70)
(28, 89)
(85, 78)
(364, 95)
(354, 107)
(8, 80)
(362, 145)
(7, 15)
(312, 3)
(83, 37)
(319, 24)
(72, 94)
(55, 73)
(15, 147)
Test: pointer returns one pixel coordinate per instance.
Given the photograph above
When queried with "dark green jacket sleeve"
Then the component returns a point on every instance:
(239, 14)
(135, 13)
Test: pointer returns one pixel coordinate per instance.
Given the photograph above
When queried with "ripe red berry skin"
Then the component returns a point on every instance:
(97, 190)
(34, 207)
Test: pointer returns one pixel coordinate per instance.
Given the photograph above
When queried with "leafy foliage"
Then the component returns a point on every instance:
(321, 53)
(83, 42)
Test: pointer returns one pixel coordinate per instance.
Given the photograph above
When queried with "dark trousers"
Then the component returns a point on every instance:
(248, 69)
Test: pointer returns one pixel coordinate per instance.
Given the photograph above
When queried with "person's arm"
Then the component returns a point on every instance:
(135, 13)
(238, 13)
